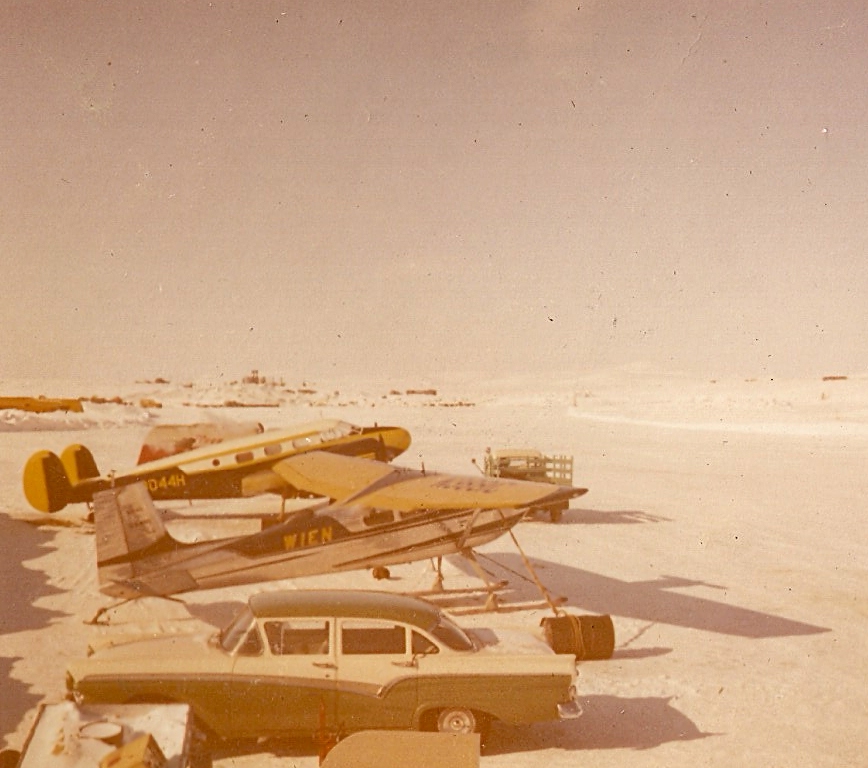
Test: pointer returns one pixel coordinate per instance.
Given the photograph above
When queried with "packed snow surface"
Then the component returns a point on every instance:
(723, 531)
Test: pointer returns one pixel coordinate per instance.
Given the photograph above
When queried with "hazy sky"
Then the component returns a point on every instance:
(312, 188)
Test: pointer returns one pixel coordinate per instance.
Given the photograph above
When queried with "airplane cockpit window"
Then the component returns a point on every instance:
(306, 441)
(298, 637)
(274, 449)
(379, 517)
(339, 430)
(244, 457)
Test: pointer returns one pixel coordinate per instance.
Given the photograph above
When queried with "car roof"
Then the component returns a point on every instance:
(345, 603)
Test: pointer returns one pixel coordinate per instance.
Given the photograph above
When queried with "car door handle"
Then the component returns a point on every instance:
(411, 663)
(325, 665)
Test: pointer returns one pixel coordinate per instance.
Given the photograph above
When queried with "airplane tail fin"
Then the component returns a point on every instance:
(79, 463)
(46, 483)
(126, 522)
(131, 544)
(50, 481)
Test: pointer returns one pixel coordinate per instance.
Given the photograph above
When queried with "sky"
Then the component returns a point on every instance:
(318, 189)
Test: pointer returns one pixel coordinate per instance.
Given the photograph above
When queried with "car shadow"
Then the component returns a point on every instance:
(607, 722)
(285, 748)
(652, 601)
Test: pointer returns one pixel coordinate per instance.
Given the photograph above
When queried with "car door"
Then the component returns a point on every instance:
(377, 674)
(290, 686)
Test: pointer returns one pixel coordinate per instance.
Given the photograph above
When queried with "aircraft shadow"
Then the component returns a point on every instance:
(623, 654)
(608, 722)
(217, 614)
(615, 517)
(17, 699)
(22, 586)
(652, 601)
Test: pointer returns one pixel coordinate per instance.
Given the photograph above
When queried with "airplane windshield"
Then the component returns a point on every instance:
(452, 635)
(237, 629)
(339, 430)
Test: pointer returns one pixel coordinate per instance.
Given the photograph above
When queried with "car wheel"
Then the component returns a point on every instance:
(457, 720)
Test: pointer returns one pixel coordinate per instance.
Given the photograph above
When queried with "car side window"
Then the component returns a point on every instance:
(298, 637)
(365, 637)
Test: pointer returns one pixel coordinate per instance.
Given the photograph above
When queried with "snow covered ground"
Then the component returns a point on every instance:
(723, 531)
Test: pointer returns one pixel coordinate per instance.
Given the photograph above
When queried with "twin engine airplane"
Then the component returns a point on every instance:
(379, 515)
(237, 467)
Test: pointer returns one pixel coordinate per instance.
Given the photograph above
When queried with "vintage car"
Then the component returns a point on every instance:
(322, 661)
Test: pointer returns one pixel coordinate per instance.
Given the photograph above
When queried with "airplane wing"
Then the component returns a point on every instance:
(373, 484)
(265, 481)
(329, 474)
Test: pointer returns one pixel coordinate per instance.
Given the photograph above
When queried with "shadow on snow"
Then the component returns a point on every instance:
(22, 587)
(615, 517)
(652, 601)
(608, 722)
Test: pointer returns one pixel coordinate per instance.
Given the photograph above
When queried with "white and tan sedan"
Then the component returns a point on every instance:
(308, 662)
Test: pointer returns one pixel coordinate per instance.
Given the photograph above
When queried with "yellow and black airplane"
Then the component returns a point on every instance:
(380, 515)
(243, 466)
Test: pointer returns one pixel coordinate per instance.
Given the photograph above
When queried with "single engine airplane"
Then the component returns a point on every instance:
(379, 515)
(242, 466)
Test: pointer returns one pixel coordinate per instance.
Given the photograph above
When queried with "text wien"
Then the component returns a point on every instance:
(308, 538)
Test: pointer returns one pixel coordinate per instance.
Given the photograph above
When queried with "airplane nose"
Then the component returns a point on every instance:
(396, 440)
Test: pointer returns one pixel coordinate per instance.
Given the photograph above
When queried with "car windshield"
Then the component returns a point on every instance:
(452, 635)
(232, 634)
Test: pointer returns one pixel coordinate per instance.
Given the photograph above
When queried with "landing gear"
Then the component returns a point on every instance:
(97, 617)
(437, 586)
(492, 602)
